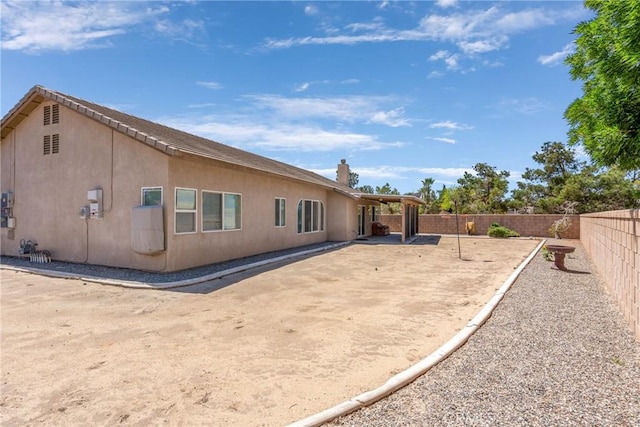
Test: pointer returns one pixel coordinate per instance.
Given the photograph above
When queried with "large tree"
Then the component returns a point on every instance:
(482, 191)
(606, 119)
(541, 186)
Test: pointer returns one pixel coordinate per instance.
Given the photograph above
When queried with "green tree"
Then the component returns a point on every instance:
(444, 199)
(482, 191)
(597, 191)
(386, 189)
(389, 208)
(427, 194)
(366, 189)
(541, 187)
(606, 119)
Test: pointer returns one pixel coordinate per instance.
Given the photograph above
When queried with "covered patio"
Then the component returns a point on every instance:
(408, 209)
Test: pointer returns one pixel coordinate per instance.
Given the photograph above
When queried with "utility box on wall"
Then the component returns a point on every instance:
(95, 203)
(147, 230)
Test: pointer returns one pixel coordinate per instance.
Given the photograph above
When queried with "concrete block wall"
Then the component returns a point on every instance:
(612, 240)
(526, 225)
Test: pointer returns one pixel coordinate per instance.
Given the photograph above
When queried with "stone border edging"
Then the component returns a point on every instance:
(168, 285)
(410, 374)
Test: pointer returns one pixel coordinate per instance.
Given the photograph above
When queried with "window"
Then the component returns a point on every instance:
(310, 216)
(221, 211)
(51, 114)
(151, 196)
(375, 214)
(280, 212)
(185, 210)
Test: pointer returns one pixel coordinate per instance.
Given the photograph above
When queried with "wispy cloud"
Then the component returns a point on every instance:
(279, 136)
(446, 3)
(349, 109)
(526, 106)
(442, 139)
(448, 124)
(302, 87)
(557, 57)
(473, 32)
(210, 85)
(393, 118)
(275, 123)
(447, 57)
(36, 26)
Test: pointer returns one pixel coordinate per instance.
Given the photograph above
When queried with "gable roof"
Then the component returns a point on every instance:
(163, 138)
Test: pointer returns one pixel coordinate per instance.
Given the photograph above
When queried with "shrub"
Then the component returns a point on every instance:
(497, 230)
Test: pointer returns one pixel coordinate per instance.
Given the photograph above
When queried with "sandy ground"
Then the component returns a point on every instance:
(265, 347)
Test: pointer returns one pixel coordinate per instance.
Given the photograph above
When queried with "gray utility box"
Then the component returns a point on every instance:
(147, 230)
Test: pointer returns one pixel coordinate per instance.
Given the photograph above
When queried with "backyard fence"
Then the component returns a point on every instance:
(525, 225)
(612, 240)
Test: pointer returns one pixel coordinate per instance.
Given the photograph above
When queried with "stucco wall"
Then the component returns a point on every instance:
(258, 233)
(612, 240)
(526, 225)
(49, 190)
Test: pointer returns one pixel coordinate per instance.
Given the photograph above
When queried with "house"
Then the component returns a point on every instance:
(94, 185)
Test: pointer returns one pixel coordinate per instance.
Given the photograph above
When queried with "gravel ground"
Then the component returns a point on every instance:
(152, 277)
(555, 352)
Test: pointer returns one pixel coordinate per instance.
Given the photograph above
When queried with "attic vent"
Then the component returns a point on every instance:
(55, 146)
(51, 114)
(55, 113)
(46, 145)
(51, 144)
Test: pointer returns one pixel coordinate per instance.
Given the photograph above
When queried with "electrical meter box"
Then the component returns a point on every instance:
(95, 203)
(6, 203)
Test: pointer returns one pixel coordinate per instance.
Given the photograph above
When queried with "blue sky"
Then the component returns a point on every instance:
(401, 90)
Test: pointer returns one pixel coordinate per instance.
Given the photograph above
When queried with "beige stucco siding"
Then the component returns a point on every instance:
(258, 233)
(49, 190)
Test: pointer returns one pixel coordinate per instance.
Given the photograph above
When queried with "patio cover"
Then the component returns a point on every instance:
(409, 210)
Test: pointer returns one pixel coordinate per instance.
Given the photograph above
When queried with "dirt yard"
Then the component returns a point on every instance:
(266, 347)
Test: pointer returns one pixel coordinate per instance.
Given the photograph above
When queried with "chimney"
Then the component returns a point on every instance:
(343, 172)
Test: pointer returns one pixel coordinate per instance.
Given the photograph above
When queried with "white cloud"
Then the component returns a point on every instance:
(185, 29)
(310, 10)
(391, 118)
(42, 26)
(302, 87)
(210, 85)
(446, 3)
(450, 59)
(435, 75)
(448, 124)
(442, 139)
(483, 46)
(557, 57)
(273, 123)
(474, 31)
(281, 136)
(344, 109)
(525, 106)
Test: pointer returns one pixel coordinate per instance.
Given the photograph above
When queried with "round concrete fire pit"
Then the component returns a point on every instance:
(559, 251)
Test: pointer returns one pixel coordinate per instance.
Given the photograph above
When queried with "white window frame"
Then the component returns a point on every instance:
(280, 212)
(222, 211)
(193, 211)
(142, 191)
(316, 216)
